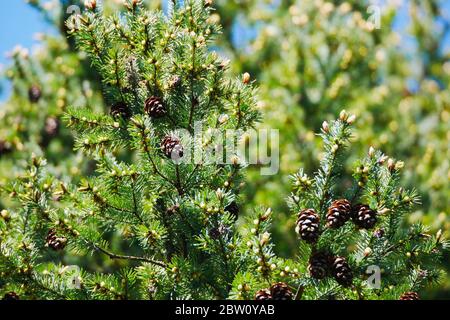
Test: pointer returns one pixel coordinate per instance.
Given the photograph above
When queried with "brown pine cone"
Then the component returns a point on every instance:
(11, 296)
(55, 242)
(173, 209)
(342, 272)
(363, 216)
(34, 94)
(120, 109)
(174, 81)
(217, 232)
(338, 213)
(307, 226)
(263, 294)
(281, 291)
(410, 296)
(379, 233)
(51, 126)
(319, 264)
(171, 147)
(155, 107)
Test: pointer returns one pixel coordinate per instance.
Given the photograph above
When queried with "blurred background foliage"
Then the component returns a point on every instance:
(310, 58)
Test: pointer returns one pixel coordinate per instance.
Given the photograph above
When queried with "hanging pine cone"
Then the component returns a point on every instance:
(319, 263)
(171, 147)
(120, 109)
(263, 294)
(410, 296)
(173, 209)
(281, 291)
(5, 147)
(11, 296)
(233, 209)
(364, 217)
(307, 226)
(34, 94)
(342, 272)
(338, 213)
(155, 107)
(54, 242)
(51, 126)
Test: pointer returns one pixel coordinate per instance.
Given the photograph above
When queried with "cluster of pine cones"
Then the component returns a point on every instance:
(340, 211)
(278, 291)
(323, 264)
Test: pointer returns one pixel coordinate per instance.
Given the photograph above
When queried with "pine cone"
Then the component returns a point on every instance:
(263, 294)
(307, 226)
(342, 272)
(319, 263)
(54, 242)
(51, 126)
(173, 209)
(5, 147)
(364, 217)
(410, 296)
(338, 213)
(174, 81)
(233, 209)
(11, 296)
(216, 232)
(281, 291)
(34, 94)
(171, 147)
(155, 107)
(120, 109)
